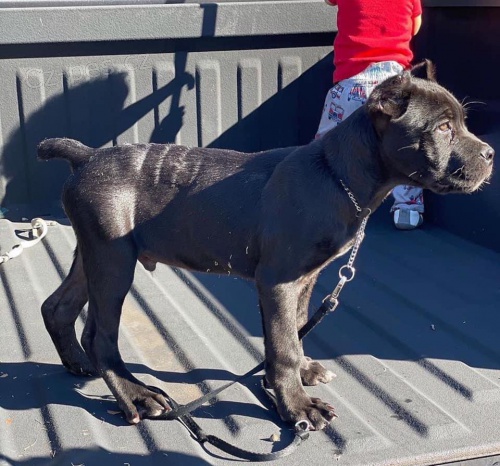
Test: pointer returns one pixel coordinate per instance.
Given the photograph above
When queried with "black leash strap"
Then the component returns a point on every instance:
(330, 303)
(182, 412)
(201, 437)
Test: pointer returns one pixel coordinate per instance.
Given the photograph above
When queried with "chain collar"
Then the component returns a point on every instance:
(354, 201)
(351, 196)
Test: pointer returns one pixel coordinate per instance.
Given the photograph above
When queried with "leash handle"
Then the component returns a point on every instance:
(301, 433)
(300, 436)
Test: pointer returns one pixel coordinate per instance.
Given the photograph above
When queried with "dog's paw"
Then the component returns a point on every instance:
(312, 372)
(78, 363)
(315, 412)
(141, 402)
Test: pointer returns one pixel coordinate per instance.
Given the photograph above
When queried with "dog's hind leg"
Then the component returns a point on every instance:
(311, 372)
(110, 267)
(279, 299)
(60, 311)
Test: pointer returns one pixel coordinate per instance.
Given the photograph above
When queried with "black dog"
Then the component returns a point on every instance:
(278, 217)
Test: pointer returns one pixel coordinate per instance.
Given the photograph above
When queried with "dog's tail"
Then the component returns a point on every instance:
(73, 151)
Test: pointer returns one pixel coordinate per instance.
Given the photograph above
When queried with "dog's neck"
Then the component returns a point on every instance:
(353, 155)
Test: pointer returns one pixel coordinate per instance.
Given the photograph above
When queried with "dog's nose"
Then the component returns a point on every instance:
(487, 153)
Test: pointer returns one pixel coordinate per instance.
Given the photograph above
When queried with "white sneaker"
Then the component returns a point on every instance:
(406, 219)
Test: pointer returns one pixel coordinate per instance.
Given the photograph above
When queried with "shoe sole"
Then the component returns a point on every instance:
(404, 223)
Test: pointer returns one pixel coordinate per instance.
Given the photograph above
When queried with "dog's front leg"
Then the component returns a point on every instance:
(284, 354)
(311, 372)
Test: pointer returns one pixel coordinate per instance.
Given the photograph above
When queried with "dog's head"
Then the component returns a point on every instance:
(423, 136)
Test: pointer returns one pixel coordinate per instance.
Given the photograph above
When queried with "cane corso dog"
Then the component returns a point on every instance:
(277, 217)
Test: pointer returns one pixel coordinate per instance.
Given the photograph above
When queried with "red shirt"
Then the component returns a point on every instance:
(371, 31)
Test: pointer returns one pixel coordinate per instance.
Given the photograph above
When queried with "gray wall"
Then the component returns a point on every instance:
(249, 76)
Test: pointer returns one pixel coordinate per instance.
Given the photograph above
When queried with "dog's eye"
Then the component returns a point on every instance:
(444, 127)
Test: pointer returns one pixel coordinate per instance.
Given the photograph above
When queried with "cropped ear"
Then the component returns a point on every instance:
(389, 100)
(391, 97)
(424, 70)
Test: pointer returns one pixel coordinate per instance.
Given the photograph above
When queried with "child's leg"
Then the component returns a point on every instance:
(337, 106)
(408, 197)
(408, 207)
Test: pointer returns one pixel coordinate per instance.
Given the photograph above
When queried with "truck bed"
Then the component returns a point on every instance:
(414, 344)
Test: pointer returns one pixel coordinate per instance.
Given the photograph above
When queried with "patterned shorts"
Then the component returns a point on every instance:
(348, 95)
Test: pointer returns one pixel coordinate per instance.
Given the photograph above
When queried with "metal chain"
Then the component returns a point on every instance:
(351, 196)
(360, 234)
(349, 268)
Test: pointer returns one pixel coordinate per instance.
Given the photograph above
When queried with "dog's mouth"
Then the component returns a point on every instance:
(462, 181)
(461, 175)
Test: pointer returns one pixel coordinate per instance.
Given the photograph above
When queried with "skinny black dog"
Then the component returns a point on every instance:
(278, 217)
